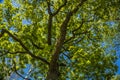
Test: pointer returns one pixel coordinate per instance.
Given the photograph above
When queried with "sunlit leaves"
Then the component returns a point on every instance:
(86, 55)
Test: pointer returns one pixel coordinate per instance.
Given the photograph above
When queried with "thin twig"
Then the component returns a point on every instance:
(14, 67)
(38, 47)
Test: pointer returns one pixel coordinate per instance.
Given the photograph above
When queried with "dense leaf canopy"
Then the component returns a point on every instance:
(59, 38)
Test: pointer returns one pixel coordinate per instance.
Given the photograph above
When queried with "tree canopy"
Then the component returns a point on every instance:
(60, 39)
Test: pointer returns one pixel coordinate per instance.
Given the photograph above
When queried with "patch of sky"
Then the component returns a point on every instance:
(103, 44)
(14, 76)
(27, 73)
(67, 79)
(13, 29)
(26, 22)
(65, 56)
(11, 39)
(117, 48)
(15, 4)
(52, 10)
(117, 53)
(110, 23)
(118, 61)
(78, 16)
(1, 1)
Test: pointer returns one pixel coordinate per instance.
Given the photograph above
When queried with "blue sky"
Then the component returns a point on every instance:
(118, 61)
(1, 1)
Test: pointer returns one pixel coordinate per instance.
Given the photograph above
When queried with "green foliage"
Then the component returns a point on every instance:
(116, 77)
(87, 30)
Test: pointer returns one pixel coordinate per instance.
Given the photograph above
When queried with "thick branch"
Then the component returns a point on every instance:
(21, 43)
(49, 29)
(49, 23)
(53, 72)
(63, 30)
(50, 20)
(49, 9)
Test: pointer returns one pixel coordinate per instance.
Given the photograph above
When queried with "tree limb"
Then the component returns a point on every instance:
(65, 1)
(21, 43)
(49, 9)
(49, 23)
(54, 67)
(50, 20)
(49, 29)
(63, 30)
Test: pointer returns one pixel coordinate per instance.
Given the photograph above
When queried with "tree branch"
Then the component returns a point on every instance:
(3, 54)
(73, 32)
(38, 47)
(54, 67)
(19, 74)
(66, 56)
(49, 23)
(8, 52)
(21, 43)
(49, 9)
(50, 29)
(16, 52)
(80, 40)
(65, 1)
(117, 18)
(77, 7)
(78, 27)
(50, 20)
(63, 30)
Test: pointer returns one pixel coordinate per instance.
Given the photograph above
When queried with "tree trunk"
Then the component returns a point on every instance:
(53, 73)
